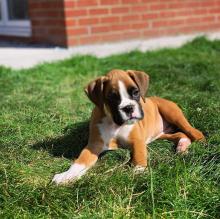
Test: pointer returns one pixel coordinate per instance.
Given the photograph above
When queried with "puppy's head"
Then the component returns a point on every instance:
(119, 94)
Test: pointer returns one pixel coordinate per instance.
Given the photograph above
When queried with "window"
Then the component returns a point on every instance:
(14, 19)
(0, 13)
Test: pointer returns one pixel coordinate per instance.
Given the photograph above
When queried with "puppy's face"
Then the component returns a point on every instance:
(122, 101)
(119, 94)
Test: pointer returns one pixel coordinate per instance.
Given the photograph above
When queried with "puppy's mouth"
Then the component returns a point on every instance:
(132, 120)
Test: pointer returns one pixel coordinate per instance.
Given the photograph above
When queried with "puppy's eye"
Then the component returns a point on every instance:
(112, 96)
(135, 92)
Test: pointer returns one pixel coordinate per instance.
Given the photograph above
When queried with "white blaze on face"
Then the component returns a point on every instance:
(126, 101)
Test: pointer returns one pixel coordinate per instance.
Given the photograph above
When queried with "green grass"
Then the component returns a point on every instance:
(44, 123)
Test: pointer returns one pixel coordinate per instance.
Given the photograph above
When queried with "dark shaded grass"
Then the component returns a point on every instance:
(44, 120)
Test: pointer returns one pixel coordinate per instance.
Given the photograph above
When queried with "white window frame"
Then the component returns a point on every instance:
(13, 27)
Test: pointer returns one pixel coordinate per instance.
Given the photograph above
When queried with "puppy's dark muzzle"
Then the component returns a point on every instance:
(129, 109)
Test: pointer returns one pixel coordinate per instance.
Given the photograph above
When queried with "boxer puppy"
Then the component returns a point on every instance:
(123, 117)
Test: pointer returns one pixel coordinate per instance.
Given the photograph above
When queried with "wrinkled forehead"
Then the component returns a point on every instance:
(116, 83)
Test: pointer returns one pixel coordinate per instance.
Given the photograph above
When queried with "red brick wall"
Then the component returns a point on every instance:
(48, 21)
(78, 22)
(94, 21)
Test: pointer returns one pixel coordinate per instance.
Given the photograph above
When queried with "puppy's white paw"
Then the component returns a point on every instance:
(183, 144)
(139, 169)
(63, 178)
(74, 172)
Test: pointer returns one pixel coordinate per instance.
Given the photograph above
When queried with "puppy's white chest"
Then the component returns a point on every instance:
(109, 130)
(124, 132)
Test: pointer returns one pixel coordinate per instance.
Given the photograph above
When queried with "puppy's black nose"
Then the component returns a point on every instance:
(128, 109)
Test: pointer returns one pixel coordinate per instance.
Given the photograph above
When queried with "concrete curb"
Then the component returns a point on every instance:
(25, 57)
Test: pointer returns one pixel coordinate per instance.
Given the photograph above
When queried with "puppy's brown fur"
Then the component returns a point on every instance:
(163, 119)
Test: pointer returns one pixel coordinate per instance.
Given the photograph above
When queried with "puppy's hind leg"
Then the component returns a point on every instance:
(180, 140)
(174, 115)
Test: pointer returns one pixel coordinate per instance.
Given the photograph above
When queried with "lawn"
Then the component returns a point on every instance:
(44, 124)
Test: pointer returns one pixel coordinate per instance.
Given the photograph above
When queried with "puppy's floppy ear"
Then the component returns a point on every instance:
(141, 79)
(94, 91)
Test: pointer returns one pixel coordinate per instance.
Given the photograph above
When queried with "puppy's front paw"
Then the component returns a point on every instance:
(74, 172)
(139, 169)
(63, 178)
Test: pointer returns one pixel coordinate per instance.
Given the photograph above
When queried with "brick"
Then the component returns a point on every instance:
(109, 2)
(35, 5)
(131, 34)
(198, 20)
(130, 18)
(69, 4)
(111, 37)
(70, 22)
(184, 13)
(76, 13)
(98, 11)
(130, 1)
(193, 20)
(175, 23)
(56, 32)
(77, 31)
(73, 41)
(120, 10)
(52, 22)
(48, 5)
(170, 31)
(100, 29)
(88, 21)
(168, 23)
(199, 27)
(49, 8)
(158, 24)
(150, 16)
(55, 14)
(208, 19)
(167, 14)
(119, 27)
(150, 33)
(36, 23)
(48, 14)
(207, 3)
(214, 10)
(177, 5)
(90, 39)
(86, 3)
(192, 4)
(109, 19)
(152, 1)
(141, 25)
(200, 11)
(159, 6)
(140, 8)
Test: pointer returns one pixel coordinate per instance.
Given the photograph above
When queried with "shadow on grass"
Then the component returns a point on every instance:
(70, 144)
